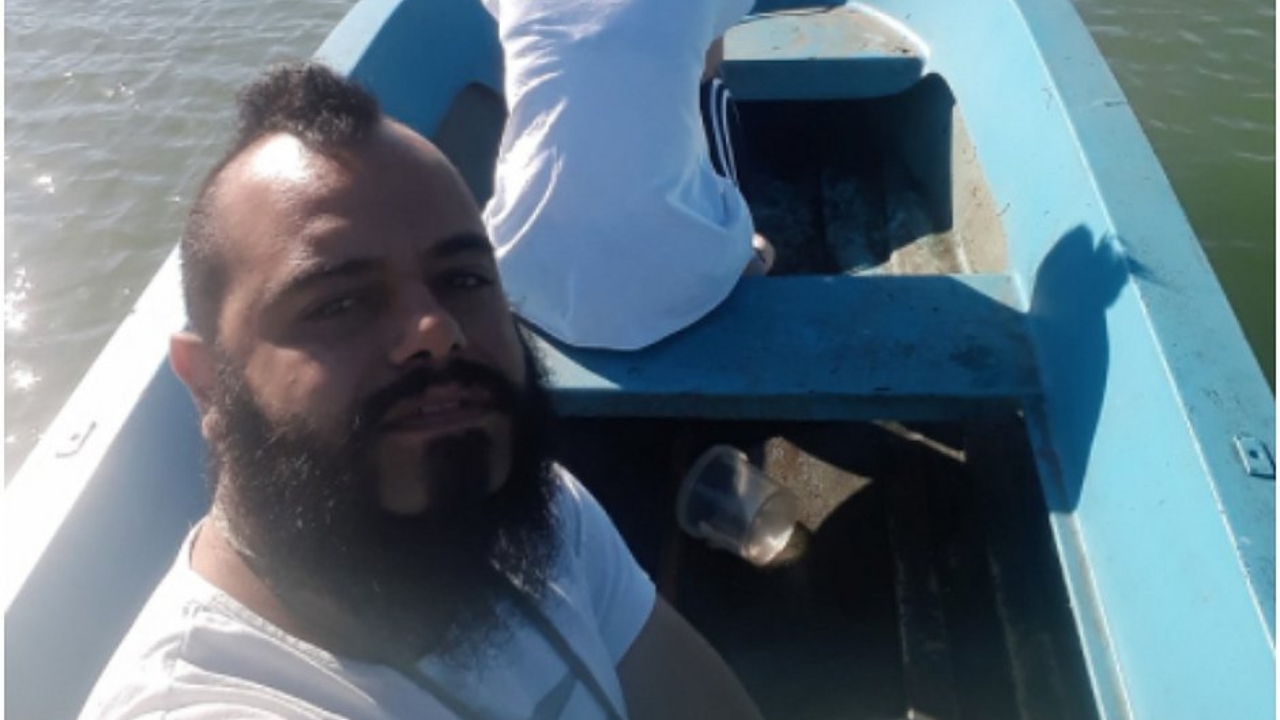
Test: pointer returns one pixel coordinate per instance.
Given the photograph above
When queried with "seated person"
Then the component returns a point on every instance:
(387, 538)
(612, 225)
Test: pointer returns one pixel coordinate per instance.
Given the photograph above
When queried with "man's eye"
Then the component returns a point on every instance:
(336, 307)
(465, 280)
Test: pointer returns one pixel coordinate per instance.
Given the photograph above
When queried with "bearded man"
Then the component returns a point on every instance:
(387, 538)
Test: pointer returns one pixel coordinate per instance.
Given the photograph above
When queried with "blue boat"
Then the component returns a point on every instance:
(985, 283)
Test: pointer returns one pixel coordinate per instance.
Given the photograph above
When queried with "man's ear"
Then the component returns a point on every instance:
(193, 362)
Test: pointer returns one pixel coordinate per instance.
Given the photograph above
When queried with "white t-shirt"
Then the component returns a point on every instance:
(195, 653)
(611, 227)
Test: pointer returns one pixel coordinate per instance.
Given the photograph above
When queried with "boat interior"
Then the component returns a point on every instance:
(923, 580)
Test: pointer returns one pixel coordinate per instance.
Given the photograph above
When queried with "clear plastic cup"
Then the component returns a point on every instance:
(734, 506)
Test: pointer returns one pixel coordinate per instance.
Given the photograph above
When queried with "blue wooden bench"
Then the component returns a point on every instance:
(817, 348)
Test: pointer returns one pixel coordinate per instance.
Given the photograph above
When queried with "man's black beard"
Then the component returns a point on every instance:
(307, 515)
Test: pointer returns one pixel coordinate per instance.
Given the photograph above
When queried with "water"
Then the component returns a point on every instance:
(113, 113)
(114, 110)
(1201, 78)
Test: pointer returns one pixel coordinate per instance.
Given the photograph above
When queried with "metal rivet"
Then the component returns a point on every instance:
(1256, 456)
(75, 441)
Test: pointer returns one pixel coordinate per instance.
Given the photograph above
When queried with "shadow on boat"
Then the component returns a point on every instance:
(1078, 280)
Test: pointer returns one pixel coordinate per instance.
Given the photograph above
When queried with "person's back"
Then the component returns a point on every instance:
(611, 226)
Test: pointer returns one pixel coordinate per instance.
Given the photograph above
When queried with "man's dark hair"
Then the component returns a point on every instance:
(327, 112)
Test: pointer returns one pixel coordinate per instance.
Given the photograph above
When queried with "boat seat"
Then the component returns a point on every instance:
(838, 347)
(845, 52)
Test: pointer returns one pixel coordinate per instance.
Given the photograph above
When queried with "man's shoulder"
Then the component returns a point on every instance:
(567, 487)
(600, 577)
(193, 652)
(577, 510)
(141, 672)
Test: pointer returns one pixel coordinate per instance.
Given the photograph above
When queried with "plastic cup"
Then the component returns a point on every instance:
(734, 506)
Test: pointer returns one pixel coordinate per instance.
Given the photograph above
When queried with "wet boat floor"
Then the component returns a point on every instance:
(922, 582)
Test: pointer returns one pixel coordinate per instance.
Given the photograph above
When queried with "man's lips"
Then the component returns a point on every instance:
(439, 409)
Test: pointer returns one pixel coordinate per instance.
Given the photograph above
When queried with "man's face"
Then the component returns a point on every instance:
(347, 275)
(374, 419)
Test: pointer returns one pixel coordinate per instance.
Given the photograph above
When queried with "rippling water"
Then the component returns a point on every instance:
(114, 110)
(1201, 78)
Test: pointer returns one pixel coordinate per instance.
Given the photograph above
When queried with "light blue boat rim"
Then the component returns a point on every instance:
(1147, 378)
(1166, 539)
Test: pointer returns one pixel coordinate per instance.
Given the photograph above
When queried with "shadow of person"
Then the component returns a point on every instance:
(1078, 280)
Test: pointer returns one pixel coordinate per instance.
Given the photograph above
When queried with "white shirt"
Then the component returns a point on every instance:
(196, 653)
(611, 227)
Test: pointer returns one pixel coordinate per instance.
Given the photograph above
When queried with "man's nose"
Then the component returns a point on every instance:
(426, 328)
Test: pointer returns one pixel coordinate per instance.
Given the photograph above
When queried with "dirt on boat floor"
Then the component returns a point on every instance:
(883, 186)
(922, 581)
